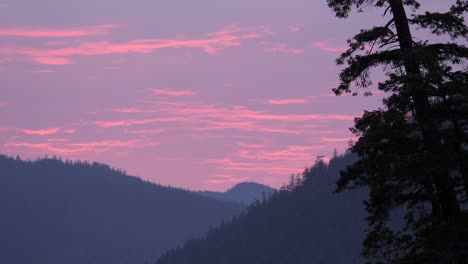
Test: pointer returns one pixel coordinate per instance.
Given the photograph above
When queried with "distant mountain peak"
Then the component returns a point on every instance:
(244, 193)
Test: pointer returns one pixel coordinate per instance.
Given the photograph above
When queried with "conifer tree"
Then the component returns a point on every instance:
(413, 152)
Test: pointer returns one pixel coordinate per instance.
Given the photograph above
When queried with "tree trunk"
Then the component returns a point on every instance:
(445, 191)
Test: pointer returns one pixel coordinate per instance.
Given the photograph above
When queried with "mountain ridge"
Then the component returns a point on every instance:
(305, 222)
(245, 193)
(57, 211)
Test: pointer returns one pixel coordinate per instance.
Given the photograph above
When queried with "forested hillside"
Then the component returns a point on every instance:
(306, 222)
(58, 212)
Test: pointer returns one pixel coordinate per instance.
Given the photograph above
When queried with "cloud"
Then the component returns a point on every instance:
(244, 32)
(229, 165)
(342, 139)
(57, 140)
(43, 132)
(133, 122)
(56, 33)
(249, 146)
(61, 146)
(48, 148)
(227, 178)
(106, 143)
(275, 155)
(144, 132)
(210, 117)
(52, 60)
(325, 47)
(271, 47)
(244, 126)
(133, 110)
(290, 153)
(295, 28)
(286, 101)
(210, 43)
(4, 104)
(169, 92)
(243, 114)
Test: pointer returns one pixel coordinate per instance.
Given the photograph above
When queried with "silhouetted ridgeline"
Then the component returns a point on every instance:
(55, 212)
(244, 193)
(304, 223)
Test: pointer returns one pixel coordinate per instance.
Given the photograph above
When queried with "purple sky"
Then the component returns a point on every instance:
(197, 94)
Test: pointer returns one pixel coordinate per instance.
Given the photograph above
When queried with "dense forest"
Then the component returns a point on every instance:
(55, 211)
(305, 222)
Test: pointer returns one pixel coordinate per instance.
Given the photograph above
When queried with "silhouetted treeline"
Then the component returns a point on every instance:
(55, 212)
(306, 222)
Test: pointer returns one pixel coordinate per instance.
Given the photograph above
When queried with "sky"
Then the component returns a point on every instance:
(195, 94)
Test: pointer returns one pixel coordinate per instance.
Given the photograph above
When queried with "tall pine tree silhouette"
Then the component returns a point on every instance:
(413, 153)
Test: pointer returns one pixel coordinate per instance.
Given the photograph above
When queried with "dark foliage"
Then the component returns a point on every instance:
(413, 153)
(55, 212)
(306, 222)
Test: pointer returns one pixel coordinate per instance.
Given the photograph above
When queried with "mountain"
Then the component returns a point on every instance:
(305, 222)
(87, 213)
(243, 193)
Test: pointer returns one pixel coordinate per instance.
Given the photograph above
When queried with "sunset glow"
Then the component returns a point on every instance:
(204, 99)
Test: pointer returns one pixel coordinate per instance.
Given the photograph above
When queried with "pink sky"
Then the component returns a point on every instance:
(196, 94)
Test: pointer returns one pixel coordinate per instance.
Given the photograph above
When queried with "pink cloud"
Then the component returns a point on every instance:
(169, 92)
(286, 101)
(4, 104)
(145, 131)
(215, 125)
(325, 47)
(227, 164)
(209, 117)
(56, 33)
(249, 146)
(133, 122)
(4, 129)
(44, 132)
(70, 131)
(244, 32)
(333, 139)
(244, 114)
(290, 153)
(275, 155)
(210, 43)
(298, 117)
(48, 148)
(227, 178)
(280, 48)
(57, 140)
(244, 126)
(61, 146)
(56, 43)
(304, 148)
(53, 60)
(295, 28)
(133, 110)
(106, 143)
